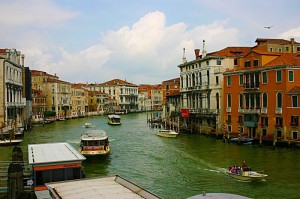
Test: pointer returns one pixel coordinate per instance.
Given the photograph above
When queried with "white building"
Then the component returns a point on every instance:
(201, 83)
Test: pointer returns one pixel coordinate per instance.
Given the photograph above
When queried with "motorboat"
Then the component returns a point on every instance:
(114, 119)
(94, 142)
(87, 125)
(9, 142)
(245, 174)
(167, 133)
(242, 140)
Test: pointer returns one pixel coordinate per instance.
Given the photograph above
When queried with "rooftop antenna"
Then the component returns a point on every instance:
(183, 57)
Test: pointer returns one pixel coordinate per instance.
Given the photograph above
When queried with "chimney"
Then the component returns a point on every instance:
(197, 52)
(23, 57)
(293, 41)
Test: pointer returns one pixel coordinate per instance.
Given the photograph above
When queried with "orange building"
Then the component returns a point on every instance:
(170, 87)
(261, 97)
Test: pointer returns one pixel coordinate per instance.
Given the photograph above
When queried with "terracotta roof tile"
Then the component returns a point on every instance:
(285, 59)
(274, 41)
(116, 82)
(231, 52)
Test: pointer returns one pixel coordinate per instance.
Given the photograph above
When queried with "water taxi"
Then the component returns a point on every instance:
(87, 125)
(245, 174)
(94, 142)
(53, 162)
(114, 119)
(167, 133)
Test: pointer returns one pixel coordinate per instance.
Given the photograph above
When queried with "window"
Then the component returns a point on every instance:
(207, 63)
(240, 120)
(241, 100)
(291, 76)
(265, 100)
(294, 120)
(264, 77)
(264, 132)
(241, 79)
(271, 49)
(278, 76)
(279, 50)
(228, 100)
(247, 64)
(255, 62)
(279, 133)
(294, 101)
(229, 118)
(229, 81)
(219, 62)
(217, 80)
(298, 49)
(279, 121)
(295, 135)
(287, 49)
(279, 100)
(235, 61)
(264, 121)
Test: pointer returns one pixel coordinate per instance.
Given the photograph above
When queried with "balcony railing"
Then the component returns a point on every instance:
(253, 85)
(278, 110)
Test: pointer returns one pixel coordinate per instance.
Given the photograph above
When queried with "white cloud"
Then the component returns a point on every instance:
(149, 51)
(292, 33)
(33, 13)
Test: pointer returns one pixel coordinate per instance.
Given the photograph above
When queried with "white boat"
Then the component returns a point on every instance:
(114, 119)
(8, 142)
(87, 125)
(167, 133)
(93, 143)
(246, 174)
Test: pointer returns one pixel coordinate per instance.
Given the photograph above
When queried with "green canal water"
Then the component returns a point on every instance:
(175, 167)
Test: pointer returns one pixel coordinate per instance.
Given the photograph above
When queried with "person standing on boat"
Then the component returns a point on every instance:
(244, 164)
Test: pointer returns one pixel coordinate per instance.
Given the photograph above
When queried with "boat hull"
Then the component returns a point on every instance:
(94, 152)
(10, 142)
(248, 176)
(168, 134)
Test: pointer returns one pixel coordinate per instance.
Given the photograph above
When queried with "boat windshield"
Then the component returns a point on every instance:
(93, 142)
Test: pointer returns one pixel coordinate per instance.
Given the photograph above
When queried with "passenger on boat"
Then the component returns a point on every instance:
(244, 164)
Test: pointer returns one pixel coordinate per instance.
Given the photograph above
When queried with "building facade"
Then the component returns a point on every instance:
(13, 101)
(201, 84)
(262, 97)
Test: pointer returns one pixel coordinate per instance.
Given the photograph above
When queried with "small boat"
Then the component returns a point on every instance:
(243, 140)
(245, 174)
(94, 142)
(167, 133)
(114, 119)
(8, 142)
(87, 125)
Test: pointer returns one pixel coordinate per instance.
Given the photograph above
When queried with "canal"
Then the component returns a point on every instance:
(175, 168)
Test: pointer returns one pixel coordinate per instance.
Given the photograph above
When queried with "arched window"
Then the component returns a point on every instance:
(279, 100)
(265, 100)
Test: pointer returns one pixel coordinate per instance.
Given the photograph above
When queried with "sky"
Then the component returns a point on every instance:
(139, 41)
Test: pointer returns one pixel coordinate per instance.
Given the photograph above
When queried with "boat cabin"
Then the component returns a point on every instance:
(114, 119)
(54, 162)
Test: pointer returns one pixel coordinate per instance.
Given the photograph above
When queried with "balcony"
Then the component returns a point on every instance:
(251, 86)
(278, 111)
(264, 110)
(228, 109)
(294, 124)
(252, 110)
(263, 125)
